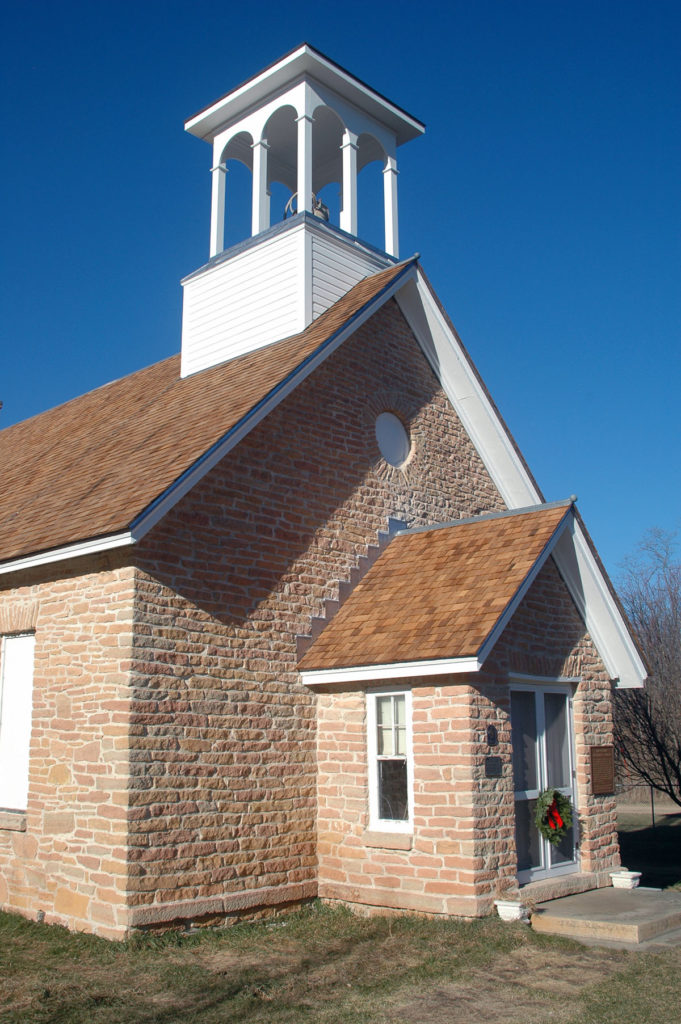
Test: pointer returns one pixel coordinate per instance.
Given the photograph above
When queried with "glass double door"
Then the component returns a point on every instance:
(541, 724)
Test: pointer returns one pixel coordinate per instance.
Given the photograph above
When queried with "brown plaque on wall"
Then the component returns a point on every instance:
(602, 770)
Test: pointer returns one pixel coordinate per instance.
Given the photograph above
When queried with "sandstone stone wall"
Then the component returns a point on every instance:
(433, 871)
(223, 736)
(65, 858)
(463, 845)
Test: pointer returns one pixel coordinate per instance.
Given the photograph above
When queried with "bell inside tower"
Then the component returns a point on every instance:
(303, 203)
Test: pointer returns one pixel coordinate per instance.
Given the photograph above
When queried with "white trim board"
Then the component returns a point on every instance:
(395, 670)
(77, 550)
(587, 588)
(453, 368)
(466, 663)
(394, 826)
(303, 60)
(155, 512)
(594, 601)
(451, 365)
(576, 562)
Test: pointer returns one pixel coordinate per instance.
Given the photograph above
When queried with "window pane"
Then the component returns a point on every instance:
(524, 739)
(400, 726)
(384, 726)
(392, 790)
(526, 835)
(558, 757)
(564, 853)
(16, 704)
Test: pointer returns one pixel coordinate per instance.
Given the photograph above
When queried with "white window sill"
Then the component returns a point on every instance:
(13, 821)
(388, 840)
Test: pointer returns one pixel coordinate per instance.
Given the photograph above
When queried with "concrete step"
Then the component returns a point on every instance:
(664, 941)
(611, 915)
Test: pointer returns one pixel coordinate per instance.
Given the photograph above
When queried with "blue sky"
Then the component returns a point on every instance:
(544, 200)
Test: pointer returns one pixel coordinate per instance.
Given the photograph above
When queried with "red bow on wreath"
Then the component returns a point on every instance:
(555, 820)
(553, 815)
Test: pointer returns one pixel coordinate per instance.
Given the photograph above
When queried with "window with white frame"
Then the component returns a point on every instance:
(16, 708)
(390, 760)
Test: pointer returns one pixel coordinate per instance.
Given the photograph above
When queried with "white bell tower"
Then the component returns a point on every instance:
(303, 122)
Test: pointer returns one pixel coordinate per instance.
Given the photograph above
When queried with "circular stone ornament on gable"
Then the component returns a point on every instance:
(393, 439)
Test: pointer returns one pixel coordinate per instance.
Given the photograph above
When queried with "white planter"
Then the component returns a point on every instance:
(624, 879)
(512, 910)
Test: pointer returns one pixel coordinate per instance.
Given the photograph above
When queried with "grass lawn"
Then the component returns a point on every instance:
(326, 966)
(654, 851)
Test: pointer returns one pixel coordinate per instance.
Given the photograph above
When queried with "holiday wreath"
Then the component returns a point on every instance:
(553, 815)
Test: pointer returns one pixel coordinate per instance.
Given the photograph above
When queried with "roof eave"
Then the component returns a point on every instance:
(78, 549)
(593, 595)
(392, 670)
(522, 590)
(462, 384)
(303, 60)
(149, 516)
(165, 501)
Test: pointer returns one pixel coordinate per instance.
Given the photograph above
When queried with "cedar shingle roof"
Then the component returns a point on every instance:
(436, 593)
(89, 467)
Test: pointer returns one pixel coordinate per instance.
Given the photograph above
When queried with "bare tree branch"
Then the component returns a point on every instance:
(648, 722)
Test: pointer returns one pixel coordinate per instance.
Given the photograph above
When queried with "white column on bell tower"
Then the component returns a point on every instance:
(392, 245)
(305, 163)
(260, 218)
(217, 209)
(348, 215)
(302, 123)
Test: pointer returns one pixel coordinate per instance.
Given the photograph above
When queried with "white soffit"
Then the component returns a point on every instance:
(394, 670)
(590, 592)
(452, 367)
(572, 554)
(150, 516)
(77, 550)
(304, 60)
(157, 509)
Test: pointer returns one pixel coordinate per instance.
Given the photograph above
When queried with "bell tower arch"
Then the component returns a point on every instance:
(304, 125)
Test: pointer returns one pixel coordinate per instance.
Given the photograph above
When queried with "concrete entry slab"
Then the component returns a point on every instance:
(611, 915)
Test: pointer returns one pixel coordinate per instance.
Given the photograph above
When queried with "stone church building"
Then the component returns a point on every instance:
(286, 615)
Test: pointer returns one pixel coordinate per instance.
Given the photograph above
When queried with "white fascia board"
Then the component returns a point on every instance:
(604, 621)
(513, 604)
(452, 367)
(159, 508)
(77, 550)
(575, 560)
(304, 60)
(149, 518)
(394, 670)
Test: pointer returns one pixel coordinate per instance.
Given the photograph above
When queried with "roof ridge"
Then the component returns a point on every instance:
(507, 513)
(102, 461)
(393, 273)
(436, 607)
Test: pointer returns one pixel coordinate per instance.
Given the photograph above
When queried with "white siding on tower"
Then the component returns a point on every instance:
(268, 290)
(242, 303)
(336, 267)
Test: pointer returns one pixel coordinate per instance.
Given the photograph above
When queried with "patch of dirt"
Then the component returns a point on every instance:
(512, 990)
